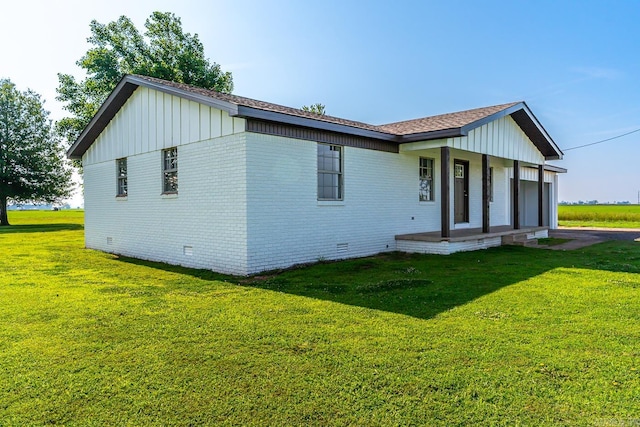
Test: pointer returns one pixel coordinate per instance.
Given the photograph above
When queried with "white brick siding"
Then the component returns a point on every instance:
(208, 216)
(288, 225)
(247, 202)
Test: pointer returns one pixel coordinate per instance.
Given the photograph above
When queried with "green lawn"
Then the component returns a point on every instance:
(508, 336)
(608, 216)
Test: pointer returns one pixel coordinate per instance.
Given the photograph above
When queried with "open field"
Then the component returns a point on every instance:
(507, 336)
(608, 216)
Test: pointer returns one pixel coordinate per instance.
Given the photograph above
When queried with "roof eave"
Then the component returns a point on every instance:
(122, 92)
(491, 117)
(273, 116)
(530, 125)
(554, 168)
(436, 134)
(107, 111)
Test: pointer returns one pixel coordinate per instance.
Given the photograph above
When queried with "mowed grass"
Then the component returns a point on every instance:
(508, 336)
(608, 216)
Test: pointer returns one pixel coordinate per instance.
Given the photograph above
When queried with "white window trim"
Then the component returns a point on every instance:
(340, 175)
(433, 179)
(119, 195)
(165, 171)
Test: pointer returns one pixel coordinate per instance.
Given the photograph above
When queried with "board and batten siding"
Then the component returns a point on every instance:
(204, 225)
(151, 120)
(531, 174)
(501, 138)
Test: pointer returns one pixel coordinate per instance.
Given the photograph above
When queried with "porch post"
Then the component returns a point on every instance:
(540, 195)
(516, 195)
(445, 194)
(485, 193)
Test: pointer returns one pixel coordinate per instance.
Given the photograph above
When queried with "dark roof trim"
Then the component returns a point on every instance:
(319, 135)
(491, 117)
(538, 135)
(554, 168)
(272, 116)
(117, 99)
(436, 134)
(107, 111)
(519, 112)
(229, 107)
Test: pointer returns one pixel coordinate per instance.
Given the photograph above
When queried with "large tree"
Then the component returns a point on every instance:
(32, 165)
(163, 51)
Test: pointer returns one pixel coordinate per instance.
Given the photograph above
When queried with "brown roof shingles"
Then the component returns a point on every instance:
(261, 105)
(407, 127)
(443, 121)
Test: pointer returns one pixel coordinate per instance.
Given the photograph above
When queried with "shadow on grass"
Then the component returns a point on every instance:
(422, 286)
(415, 285)
(40, 228)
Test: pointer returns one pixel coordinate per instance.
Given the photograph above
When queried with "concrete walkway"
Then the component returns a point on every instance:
(587, 236)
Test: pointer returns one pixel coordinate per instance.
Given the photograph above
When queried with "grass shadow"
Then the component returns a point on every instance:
(421, 286)
(40, 228)
(178, 269)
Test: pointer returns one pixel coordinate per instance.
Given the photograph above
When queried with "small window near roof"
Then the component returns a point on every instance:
(426, 180)
(170, 170)
(121, 177)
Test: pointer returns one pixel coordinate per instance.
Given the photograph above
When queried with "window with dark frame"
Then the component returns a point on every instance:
(121, 177)
(330, 181)
(170, 170)
(426, 180)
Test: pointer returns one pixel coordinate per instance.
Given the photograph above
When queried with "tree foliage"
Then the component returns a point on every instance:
(32, 165)
(163, 51)
(315, 108)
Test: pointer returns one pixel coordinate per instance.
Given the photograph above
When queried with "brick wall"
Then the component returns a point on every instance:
(204, 226)
(287, 224)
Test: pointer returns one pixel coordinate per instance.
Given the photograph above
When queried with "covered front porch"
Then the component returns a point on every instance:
(490, 178)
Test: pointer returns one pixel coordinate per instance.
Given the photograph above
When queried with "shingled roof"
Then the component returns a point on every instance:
(443, 121)
(259, 105)
(434, 127)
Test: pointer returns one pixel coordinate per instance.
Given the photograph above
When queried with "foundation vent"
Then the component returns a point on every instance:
(109, 240)
(342, 248)
(187, 250)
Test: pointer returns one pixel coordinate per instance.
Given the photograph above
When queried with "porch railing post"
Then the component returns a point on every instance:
(540, 195)
(516, 195)
(486, 171)
(445, 192)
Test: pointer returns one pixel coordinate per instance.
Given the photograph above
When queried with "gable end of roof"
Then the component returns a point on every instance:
(423, 129)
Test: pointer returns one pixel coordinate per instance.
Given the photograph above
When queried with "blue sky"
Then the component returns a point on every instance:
(575, 63)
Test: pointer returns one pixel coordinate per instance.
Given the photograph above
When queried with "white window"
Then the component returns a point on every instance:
(170, 170)
(330, 182)
(426, 180)
(121, 177)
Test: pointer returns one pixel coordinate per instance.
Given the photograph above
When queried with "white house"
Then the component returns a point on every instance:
(193, 177)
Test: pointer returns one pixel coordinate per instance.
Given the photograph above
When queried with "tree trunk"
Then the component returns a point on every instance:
(4, 220)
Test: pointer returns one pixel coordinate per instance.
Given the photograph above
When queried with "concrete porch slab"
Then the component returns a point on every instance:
(463, 240)
(461, 235)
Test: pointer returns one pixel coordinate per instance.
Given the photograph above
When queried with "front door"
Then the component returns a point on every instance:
(461, 191)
